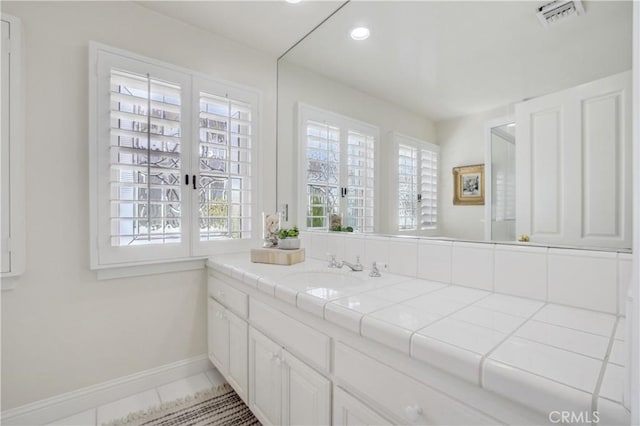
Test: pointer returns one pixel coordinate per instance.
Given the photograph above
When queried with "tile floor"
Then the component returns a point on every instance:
(142, 401)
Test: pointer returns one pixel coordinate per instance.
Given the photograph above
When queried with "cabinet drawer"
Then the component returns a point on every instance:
(348, 411)
(296, 337)
(229, 296)
(407, 400)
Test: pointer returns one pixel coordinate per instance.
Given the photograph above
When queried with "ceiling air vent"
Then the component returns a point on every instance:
(559, 10)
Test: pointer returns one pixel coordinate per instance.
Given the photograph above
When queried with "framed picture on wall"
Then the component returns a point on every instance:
(468, 185)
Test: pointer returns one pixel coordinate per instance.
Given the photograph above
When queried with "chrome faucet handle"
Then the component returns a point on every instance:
(333, 263)
(375, 272)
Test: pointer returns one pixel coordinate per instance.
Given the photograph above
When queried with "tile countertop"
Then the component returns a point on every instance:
(538, 354)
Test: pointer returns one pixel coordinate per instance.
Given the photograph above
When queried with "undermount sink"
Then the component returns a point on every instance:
(323, 278)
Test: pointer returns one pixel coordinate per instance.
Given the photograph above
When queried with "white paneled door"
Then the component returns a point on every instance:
(573, 165)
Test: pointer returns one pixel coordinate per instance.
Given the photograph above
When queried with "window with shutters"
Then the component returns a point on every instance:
(12, 154)
(171, 161)
(417, 176)
(338, 170)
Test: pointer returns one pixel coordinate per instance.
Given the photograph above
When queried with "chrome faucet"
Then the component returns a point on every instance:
(333, 263)
(357, 267)
(375, 272)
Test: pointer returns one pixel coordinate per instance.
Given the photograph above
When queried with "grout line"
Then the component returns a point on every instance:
(571, 328)
(508, 336)
(158, 393)
(605, 361)
(395, 304)
(618, 284)
(493, 271)
(561, 348)
(515, 367)
(546, 276)
(95, 416)
(414, 332)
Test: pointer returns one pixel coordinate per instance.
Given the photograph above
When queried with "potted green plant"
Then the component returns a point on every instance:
(288, 238)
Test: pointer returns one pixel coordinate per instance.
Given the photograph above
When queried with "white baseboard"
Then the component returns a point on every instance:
(64, 405)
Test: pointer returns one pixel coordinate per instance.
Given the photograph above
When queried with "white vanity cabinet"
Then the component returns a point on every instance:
(348, 411)
(227, 341)
(282, 389)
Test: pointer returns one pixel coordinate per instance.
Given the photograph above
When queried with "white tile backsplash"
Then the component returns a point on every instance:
(521, 271)
(472, 265)
(403, 256)
(335, 245)
(354, 247)
(434, 260)
(376, 250)
(319, 246)
(586, 279)
(581, 278)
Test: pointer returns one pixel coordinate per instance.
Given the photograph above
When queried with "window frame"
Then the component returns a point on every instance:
(14, 236)
(306, 112)
(420, 145)
(183, 255)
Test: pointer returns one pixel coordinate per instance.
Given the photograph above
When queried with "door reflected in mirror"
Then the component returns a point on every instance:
(502, 175)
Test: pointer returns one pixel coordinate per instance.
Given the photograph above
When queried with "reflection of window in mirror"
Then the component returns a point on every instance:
(12, 252)
(417, 184)
(339, 170)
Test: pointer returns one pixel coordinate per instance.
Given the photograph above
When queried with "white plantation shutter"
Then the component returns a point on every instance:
(360, 181)
(339, 172)
(171, 162)
(417, 184)
(145, 160)
(429, 189)
(224, 168)
(407, 187)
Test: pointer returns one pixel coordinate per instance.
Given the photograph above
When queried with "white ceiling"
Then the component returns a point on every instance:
(447, 59)
(269, 26)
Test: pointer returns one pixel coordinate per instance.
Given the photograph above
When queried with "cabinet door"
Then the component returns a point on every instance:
(265, 379)
(238, 365)
(348, 411)
(218, 337)
(306, 394)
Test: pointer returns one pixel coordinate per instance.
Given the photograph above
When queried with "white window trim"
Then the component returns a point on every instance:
(307, 112)
(17, 173)
(398, 139)
(196, 253)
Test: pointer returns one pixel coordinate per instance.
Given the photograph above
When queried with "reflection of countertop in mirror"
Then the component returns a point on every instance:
(541, 355)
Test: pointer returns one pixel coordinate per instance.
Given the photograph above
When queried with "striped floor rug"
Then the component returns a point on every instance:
(219, 406)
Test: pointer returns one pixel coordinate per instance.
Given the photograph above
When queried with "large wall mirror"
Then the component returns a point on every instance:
(470, 120)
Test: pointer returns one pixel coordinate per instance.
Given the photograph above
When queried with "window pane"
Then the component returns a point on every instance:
(225, 168)
(145, 160)
(360, 181)
(323, 173)
(407, 187)
(429, 189)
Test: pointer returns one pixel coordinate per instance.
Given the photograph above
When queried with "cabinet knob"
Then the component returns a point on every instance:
(413, 412)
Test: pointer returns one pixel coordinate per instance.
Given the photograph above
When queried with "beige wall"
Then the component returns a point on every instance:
(297, 84)
(461, 143)
(62, 329)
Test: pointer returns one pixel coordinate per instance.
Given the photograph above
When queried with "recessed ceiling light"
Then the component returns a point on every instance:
(360, 33)
(293, 1)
